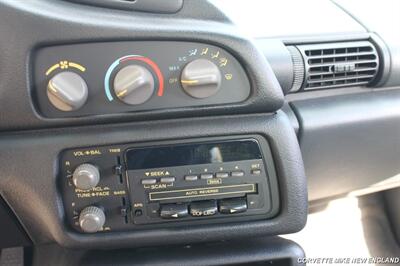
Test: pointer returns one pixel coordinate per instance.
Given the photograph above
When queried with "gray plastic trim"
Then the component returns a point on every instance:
(349, 142)
(385, 61)
(280, 60)
(298, 68)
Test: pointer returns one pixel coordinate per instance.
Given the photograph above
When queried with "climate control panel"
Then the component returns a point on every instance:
(117, 77)
(137, 186)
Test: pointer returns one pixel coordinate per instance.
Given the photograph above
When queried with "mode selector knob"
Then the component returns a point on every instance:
(86, 176)
(67, 91)
(201, 78)
(133, 84)
(92, 219)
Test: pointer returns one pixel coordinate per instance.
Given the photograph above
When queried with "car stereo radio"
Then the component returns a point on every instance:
(134, 186)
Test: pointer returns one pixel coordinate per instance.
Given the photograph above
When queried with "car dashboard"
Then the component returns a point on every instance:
(134, 131)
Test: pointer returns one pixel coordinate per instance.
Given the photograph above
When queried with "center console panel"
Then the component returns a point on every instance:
(52, 214)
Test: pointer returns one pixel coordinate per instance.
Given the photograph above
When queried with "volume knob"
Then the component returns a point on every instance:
(86, 176)
(134, 84)
(92, 219)
(201, 78)
(67, 91)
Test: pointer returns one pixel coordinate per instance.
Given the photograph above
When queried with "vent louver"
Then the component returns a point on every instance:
(339, 64)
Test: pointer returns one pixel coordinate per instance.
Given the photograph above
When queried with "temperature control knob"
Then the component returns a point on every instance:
(134, 84)
(86, 176)
(201, 78)
(92, 219)
(67, 91)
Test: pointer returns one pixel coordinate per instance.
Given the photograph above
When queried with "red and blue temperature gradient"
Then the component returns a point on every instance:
(127, 58)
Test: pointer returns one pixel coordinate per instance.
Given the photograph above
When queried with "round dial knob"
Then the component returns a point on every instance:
(134, 84)
(86, 176)
(201, 78)
(92, 219)
(67, 91)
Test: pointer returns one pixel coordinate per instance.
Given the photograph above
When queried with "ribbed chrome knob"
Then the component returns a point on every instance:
(86, 176)
(92, 219)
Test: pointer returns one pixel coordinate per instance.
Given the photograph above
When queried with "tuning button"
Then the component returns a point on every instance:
(134, 84)
(92, 219)
(67, 91)
(86, 176)
(201, 78)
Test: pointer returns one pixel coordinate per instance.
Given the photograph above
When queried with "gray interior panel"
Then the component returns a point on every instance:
(349, 142)
(43, 214)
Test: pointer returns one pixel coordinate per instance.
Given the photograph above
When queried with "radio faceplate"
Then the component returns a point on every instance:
(137, 186)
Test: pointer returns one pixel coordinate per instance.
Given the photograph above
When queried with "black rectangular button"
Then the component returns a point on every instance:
(232, 206)
(173, 211)
(169, 179)
(203, 208)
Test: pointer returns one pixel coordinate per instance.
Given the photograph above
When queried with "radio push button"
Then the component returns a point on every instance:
(206, 176)
(149, 181)
(231, 206)
(166, 180)
(237, 173)
(203, 208)
(191, 177)
(222, 175)
(256, 172)
(173, 211)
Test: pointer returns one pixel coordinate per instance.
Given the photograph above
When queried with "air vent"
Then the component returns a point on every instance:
(344, 64)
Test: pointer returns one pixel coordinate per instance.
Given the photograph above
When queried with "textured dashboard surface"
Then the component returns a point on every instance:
(349, 142)
(30, 24)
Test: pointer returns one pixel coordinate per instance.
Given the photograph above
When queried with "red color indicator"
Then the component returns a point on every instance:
(155, 68)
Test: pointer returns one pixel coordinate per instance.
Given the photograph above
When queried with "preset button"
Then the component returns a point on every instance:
(191, 177)
(206, 176)
(256, 171)
(222, 175)
(237, 173)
